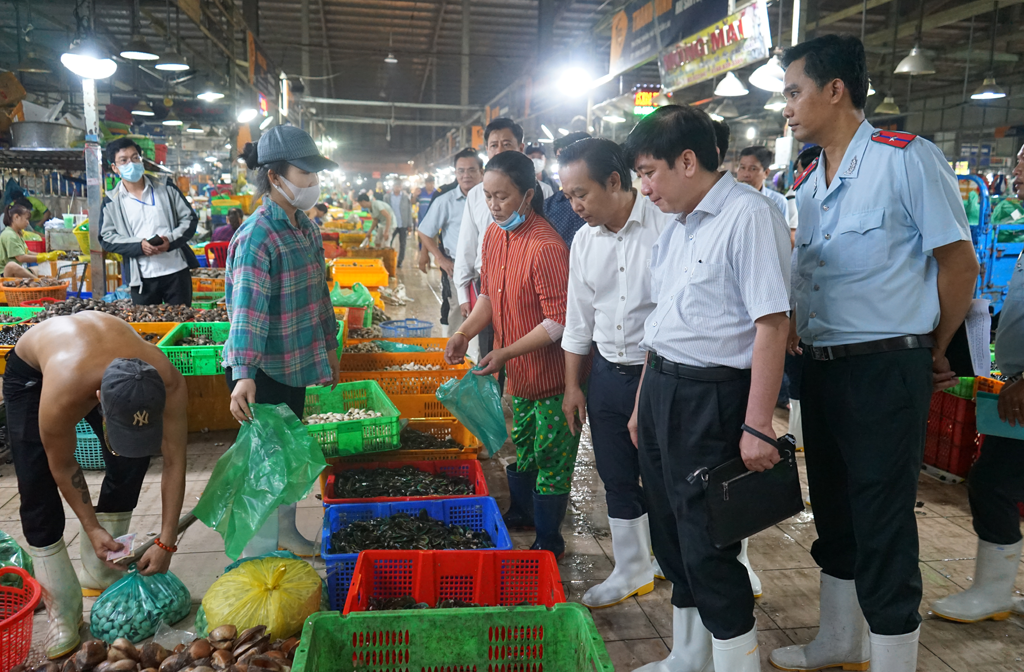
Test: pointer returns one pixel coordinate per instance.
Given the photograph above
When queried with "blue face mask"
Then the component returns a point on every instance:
(131, 172)
(513, 222)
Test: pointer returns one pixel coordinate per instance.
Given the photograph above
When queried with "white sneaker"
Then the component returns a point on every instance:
(894, 653)
(288, 536)
(991, 594)
(755, 582)
(95, 576)
(62, 596)
(842, 639)
(691, 645)
(738, 654)
(633, 574)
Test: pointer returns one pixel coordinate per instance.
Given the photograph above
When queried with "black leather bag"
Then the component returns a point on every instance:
(741, 503)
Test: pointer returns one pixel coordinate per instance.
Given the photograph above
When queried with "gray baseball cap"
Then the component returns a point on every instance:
(292, 144)
(133, 395)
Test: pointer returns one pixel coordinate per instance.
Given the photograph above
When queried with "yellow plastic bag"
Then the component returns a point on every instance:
(276, 592)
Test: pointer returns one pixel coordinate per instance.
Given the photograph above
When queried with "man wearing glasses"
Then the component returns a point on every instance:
(150, 225)
(444, 218)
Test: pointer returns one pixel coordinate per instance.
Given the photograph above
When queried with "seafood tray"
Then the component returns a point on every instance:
(196, 360)
(471, 470)
(355, 436)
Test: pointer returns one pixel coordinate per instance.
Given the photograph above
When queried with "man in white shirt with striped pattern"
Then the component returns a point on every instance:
(715, 343)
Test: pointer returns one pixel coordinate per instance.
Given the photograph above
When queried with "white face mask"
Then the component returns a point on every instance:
(303, 198)
(538, 164)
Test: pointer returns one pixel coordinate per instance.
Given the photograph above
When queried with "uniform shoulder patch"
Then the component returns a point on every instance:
(893, 138)
(803, 176)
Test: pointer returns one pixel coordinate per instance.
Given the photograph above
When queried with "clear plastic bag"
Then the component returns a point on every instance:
(135, 605)
(273, 462)
(476, 402)
(279, 592)
(12, 555)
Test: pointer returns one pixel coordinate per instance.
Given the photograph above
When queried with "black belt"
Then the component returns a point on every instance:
(831, 352)
(624, 369)
(711, 374)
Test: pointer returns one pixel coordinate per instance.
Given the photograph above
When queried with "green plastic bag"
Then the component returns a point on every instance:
(135, 604)
(391, 346)
(12, 555)
(357, 297)
(476, 402)
(273, 462)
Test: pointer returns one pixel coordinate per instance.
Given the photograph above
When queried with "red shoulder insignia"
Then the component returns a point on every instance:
(803, 176)
(893, 138)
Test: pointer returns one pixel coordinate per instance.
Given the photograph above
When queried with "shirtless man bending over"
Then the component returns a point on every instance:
(92, 366)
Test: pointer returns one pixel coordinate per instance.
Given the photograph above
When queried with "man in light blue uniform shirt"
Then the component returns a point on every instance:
(887, 273)
(996, 481)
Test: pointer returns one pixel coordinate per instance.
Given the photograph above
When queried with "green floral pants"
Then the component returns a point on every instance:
(544, 443)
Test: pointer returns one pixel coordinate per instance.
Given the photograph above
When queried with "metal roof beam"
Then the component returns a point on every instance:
(939, 19)
(381, 103)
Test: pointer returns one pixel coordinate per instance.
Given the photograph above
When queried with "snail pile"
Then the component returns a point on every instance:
(360, 332)
(200, 339)
(129, 312)
(7, 319)
(23, 283)
(224, 650)
(208, 273)
(369, 348)
(412, 366)
(10, 334)
(350, 414)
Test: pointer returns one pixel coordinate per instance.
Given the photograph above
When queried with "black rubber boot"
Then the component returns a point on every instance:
(520, 489)
(548, 513)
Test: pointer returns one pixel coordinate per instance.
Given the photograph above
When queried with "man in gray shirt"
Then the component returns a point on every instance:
(402, 206)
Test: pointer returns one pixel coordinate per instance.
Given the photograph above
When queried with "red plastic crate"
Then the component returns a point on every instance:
(471, 469)
(487, 578)
(951, 441)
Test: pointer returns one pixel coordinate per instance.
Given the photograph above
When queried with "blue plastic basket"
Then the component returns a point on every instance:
(410, 328)
(88, 449)
(478, 513)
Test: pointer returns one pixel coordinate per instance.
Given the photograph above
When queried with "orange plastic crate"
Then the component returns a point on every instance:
(439, 343)
(208, 284)
(162, 328)
(442, 428)
(375, 362)
(370, 272)
(420, 406)
(403, 382)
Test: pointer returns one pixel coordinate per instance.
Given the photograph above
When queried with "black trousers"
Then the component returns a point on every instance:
(174, 289)
(864, 421)
(995, 485)
(609, 406)
(42, 514)
(446, 292)
(270, 391)
(685, 425)
(403, 234)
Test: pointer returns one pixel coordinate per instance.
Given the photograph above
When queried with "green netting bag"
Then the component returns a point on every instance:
(12, 555)
(391, 346)
(273, 462)
(135, 604)
(476, 402)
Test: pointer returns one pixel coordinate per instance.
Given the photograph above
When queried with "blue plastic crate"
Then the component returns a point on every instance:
(478, 513)
(88, 449)
(410, 328)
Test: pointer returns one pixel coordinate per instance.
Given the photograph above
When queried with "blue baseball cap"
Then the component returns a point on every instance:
(294, 145)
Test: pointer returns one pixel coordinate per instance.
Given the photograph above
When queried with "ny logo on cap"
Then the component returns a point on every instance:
(141, 418)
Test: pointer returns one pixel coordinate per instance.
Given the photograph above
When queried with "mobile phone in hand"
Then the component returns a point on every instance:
(156, 241)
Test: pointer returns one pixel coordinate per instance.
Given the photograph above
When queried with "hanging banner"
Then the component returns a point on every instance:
(262, 73)
(735, 41)
(643, 28)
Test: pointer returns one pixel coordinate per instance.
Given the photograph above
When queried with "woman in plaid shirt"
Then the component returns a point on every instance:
(284, 336)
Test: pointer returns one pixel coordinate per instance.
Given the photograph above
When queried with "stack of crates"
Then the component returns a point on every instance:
(952, 443)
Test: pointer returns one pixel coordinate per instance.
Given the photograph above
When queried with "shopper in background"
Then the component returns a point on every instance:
(382, 217)
(445, 220)
(138, 213)
(996, 481)
(887, 271)
(224, 233)
(558, 209)
(608, 310)
(525, 274)
(716, 344)
(722, 134)
(284, 336)
(400, 204)
(318, 214)
(425, 198)
(13, 250)
(753, 170)
(540, 162)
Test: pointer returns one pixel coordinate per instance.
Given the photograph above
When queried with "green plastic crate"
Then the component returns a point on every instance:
(206, 300)
(88, 449)
(22, 313)
(964, 388)
(355, 436)
(495, 639)
(196, 360)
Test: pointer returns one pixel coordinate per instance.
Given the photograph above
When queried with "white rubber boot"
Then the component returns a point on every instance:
(95, 576)
(796, 427)
(755, 582)
(659, 573)
(991, 595)
(62, 596)
(842, 639)
(894, 653)
(633, 574)
(288, 536)
(738, 654)
(691, 645)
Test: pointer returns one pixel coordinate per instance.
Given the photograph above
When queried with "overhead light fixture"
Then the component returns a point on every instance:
(613, 119)
(142, 109)
(138, 49)
(777, 103)
(545, 141)
(769, 76)
(728, 110)
(265, 124)
(563, 131)
(210, 93)
(871, 88)
(547, 132)
(32, 63)
(751, 132)
(87, 59)
(915, 63)
(194, 127)
(390, 59)
(731, 86)
(574, 82)
(247, 115)
(988, 90)
(172, 61)
(172, 120)
(888, 106)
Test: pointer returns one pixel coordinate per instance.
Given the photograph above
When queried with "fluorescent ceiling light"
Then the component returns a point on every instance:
(613, 119)
(266, 123)
(247, 115)
(563, 131)
(547, 132)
